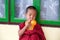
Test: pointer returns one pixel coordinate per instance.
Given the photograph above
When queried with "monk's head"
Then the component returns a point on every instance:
(31, 12)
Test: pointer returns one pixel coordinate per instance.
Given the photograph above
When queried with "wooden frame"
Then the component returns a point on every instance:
(50, 22)
(37, 4)
(13, 11)
(5, 18)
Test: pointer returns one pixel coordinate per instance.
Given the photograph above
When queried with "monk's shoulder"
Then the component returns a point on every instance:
(37, 26)
(21, 25)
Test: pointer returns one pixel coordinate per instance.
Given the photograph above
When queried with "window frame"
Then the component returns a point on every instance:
(6, 12)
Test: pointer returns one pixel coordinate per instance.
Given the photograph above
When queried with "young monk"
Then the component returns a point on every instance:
(36, 33)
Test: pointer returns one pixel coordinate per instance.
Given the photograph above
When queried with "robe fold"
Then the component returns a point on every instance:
(35, 34)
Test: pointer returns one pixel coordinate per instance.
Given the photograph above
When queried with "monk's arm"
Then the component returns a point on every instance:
(20, 32)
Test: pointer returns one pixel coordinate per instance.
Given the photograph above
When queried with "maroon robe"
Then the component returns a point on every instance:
(35, 34)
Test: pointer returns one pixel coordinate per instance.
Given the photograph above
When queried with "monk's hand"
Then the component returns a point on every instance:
(28, 23)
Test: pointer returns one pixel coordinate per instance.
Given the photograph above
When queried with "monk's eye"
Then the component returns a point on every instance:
(30, 14)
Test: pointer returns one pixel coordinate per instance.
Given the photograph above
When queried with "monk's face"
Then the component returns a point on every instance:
(31, 14)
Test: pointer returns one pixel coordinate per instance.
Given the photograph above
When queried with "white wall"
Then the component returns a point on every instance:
(10, 32)
(52, 33)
